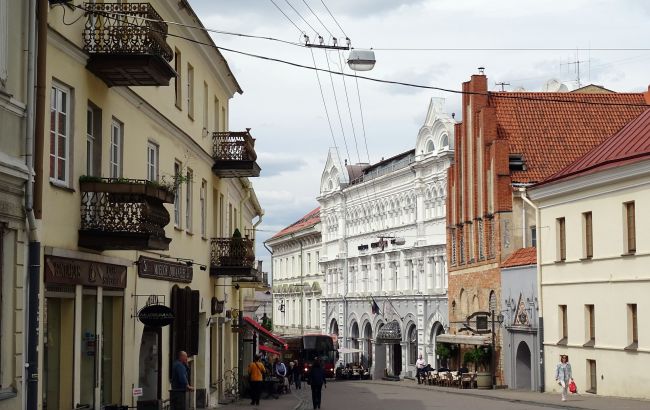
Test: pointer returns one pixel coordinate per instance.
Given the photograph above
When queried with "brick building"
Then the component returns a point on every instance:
(506, 142)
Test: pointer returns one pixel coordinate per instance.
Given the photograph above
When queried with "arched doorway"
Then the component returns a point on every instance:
(522, 373)
(436, 330)
(366, 359)
(412, 340)
(354, 337)
(334, 327)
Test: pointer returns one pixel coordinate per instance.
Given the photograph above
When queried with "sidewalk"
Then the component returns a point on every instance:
(285, 402)
(576, 401)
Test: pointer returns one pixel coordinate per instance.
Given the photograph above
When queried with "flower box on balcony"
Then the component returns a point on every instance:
(127, 186)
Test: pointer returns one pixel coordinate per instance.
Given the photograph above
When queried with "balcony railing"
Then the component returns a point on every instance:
(234, 154)
(127, 44)
(123, 214)
(233, 257)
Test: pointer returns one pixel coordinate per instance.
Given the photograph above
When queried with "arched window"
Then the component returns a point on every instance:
(413, 344)
(493, 301)
(445, 141)
(463, 303)
(330, 185)
(430, 147)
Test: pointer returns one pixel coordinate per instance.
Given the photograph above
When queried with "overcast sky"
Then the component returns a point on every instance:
(283, 105)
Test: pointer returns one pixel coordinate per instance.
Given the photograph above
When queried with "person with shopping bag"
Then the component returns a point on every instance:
(563, 375)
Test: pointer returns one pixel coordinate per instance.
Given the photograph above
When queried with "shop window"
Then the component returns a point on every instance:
(58, 343)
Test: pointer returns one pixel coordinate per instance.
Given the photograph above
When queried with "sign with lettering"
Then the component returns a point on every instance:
(156, 315)
(164, 270)
(137, 392)
(66, 271)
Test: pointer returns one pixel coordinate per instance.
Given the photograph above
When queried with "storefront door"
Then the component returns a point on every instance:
(58, 356)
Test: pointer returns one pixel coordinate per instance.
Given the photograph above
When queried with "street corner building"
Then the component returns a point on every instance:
(506, 142)
(297, 279)
(593, 259)
(144, 213)
(383, 250)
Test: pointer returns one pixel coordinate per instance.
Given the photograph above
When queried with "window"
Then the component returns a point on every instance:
(231, 225)
(188, 200)
(309, 271)
(177, 197)
(593, 376)
(630, 228)
(413, 345)
(533, 236)
(93, 140)
(117, 131)
(445, 141)
(224, 126)
(588, 236)
(190, 91)
(590, 326)
(564, 330)
(60, 134)
(308, 312)
(178, 88)
(632, 326)
(205, 107)
(221, 216)
(430, 147)
(152, 161)
(203, 199)
(215, 126)
(561, 239)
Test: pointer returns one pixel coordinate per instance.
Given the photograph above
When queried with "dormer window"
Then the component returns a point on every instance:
(516, 163)
(430, 147)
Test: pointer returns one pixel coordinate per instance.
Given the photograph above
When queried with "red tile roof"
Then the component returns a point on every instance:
(521, 257)
(307, 221)
(551, 135)
(630, 144)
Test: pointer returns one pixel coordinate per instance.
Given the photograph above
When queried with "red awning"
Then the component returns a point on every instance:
(269, 350)
(264, 333)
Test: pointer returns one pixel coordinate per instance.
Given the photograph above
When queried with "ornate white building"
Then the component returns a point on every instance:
(366, 212)
(297, 281)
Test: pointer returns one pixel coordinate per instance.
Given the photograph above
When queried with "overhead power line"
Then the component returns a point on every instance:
(378, 80)
(288, 18)
(318, 18)
(303, 19)
(333, 18)
(511, 49)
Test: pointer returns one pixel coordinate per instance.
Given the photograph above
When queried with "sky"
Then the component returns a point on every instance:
(284, 108)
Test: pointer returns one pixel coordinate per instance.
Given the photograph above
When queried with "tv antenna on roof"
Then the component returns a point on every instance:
(502, 85)
(577, 63)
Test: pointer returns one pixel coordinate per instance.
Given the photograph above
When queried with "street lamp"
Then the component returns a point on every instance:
(361, 60)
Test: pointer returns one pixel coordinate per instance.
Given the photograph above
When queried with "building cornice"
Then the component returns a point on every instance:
(12, 105)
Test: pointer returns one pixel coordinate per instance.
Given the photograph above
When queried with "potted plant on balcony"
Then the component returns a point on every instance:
(237, 251)
(125, 186)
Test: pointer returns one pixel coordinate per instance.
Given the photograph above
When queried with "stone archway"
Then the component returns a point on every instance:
(389, 337)
(354, 341)
(366, 359)
(436, 330)
(334, 327)
(523, 379)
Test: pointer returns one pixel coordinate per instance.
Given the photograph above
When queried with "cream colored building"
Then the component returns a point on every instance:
(594, 257)
(140, 103)
(297, 279)
(13, 176)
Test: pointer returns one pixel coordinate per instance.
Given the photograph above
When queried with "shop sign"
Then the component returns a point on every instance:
(137, 392)
(156, 315)
(164, 270)
(65, 271)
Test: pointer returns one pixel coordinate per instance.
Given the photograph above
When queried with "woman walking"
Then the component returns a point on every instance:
(317, 380)
(256, 372)
(563, 374)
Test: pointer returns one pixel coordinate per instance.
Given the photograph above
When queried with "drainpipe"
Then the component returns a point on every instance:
(30, 369)
(540, 331)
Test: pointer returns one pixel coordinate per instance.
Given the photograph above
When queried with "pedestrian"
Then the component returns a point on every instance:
(563, 374)
(419, 367)
(297, 375)
(317, 380)
(290, 374)
(180, 382)
(256, 372)
(280, 371)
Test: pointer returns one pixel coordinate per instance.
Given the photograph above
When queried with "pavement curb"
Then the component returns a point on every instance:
(469, 392)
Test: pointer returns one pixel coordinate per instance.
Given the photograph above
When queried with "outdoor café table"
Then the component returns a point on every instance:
(270, 387)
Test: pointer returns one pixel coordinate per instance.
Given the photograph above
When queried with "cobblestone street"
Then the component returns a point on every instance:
(407, 395)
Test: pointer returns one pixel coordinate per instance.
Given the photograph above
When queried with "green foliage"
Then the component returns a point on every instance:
(443, 351)
(236, 234)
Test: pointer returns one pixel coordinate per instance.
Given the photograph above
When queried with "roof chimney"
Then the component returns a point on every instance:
(647, 96)
(481, 70)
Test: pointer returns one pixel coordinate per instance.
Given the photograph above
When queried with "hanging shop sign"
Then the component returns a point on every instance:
(156, 316)
(66, 271)
(217, 306)
(164, 270)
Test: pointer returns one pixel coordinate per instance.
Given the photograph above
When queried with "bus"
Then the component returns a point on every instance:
(304, 349)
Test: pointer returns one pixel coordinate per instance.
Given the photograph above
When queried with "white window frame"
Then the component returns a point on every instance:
(153, 154)
(178, 167)
(56, 102)
(90, 140)
(203, 199)
(188, 200)
(115, 152)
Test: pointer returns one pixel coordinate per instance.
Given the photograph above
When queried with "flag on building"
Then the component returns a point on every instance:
(374, 306)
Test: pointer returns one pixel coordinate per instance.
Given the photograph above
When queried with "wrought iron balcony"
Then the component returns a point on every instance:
(127, 44)
(234, 154)
(118, 214)
(233, 257)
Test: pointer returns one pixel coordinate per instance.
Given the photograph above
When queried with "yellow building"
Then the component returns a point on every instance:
(594, 265)
(140, 188)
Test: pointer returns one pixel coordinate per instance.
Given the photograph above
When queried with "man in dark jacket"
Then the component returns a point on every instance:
(180, 383)
(317, 380)
(297, 375)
